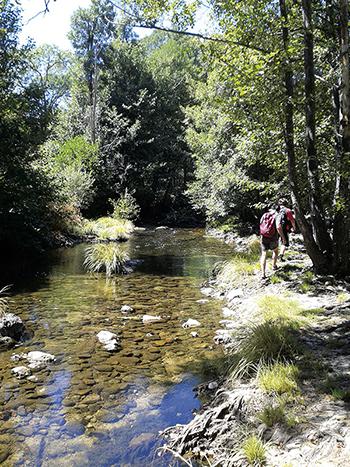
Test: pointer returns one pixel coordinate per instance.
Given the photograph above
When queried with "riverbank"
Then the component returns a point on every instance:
(285, 397)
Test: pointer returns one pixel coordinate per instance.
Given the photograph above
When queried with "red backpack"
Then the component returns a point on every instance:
(267, 225)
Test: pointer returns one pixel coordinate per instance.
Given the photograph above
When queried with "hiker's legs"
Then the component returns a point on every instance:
(263, 263)
(283, 250)
(274, 258)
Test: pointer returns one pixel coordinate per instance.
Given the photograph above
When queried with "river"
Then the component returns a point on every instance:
(100, 408)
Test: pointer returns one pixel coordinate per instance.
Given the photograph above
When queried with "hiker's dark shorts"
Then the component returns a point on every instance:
(268, 243)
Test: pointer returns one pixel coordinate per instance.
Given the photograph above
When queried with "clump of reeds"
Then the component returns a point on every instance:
(106, 257)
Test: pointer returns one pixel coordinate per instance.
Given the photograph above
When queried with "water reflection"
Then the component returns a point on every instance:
(100, 408)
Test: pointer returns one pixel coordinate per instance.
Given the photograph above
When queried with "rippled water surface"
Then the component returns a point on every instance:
(93, 407)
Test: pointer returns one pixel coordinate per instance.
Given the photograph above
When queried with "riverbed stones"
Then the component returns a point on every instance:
(109, 340)
(21, 372)
(150, 319)
(38, 359)
(127, 309)
(194, 334)
(191, 323)
(201, 301)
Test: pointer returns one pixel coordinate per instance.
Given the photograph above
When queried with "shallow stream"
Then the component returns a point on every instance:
(94, 407)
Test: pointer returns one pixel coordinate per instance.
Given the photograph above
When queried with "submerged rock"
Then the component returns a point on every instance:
(191, 323)
(150, 319)
(109, 340)
(194, 334)
(127, 309)
(12, 326)
(21, 372)
(36, 359)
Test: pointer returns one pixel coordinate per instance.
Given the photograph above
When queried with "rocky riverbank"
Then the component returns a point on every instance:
(285, 397)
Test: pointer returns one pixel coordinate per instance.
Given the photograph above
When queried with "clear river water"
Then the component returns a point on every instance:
(99, 408)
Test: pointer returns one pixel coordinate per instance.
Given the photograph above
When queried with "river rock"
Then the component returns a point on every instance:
(162, 227)
(208, 291)
(194, 334)
(109, 340)
(126, 309)
(21, 372)
(11, 326)
(213, 385)
(150, 319)
(202, 301)
(191, 323)
(38, 360)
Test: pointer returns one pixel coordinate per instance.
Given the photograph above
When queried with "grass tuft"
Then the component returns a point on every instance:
(109, 258)
(279, 378)
(254, 451)
(266, 342)
(343, 297)
(273, 414)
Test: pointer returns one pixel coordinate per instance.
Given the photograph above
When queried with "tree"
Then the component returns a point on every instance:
(92, 31)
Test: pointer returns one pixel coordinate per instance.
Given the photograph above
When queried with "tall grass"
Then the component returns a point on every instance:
(109, 258)
(268, 341)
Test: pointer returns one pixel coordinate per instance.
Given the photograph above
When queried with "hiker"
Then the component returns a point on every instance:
(285, 223)
(269, 239)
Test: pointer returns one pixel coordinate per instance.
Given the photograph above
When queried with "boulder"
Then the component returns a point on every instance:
(11, 326)
(191, 323)
(150, 319)
(21, 372)
(126, 309)
(109, 340)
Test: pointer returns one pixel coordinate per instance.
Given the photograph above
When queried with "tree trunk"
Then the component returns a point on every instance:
(318, 259)
(322, 236)
(341, 232)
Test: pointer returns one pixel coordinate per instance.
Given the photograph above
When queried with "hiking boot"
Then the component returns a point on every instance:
(281, 258)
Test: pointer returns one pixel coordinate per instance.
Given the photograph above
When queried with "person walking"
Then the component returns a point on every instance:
(269, 239)
(285, 223)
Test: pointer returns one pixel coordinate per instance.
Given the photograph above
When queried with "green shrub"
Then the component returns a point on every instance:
(279, 378)
(254, 451)
(125, 208)
(109, 258)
